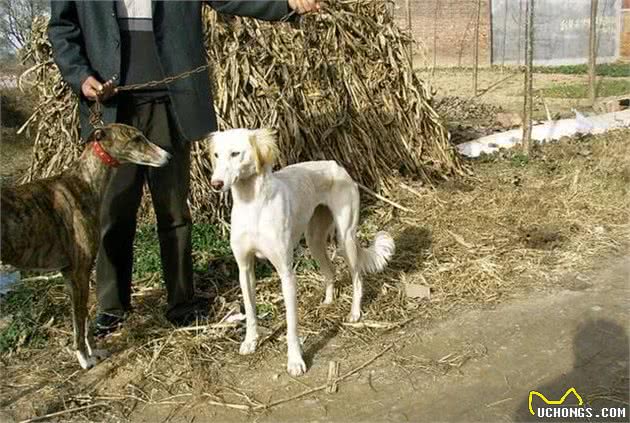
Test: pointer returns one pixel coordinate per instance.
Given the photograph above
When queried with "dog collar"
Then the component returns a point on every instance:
(104, 155)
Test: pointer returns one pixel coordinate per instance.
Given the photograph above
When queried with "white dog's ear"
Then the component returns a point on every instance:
(263, 142)
(210, 140)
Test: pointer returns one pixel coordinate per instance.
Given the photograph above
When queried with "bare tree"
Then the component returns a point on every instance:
(476, 50)
(410, 28)
(529, 67)
(436, 15)
(592, 53)
(15, 22)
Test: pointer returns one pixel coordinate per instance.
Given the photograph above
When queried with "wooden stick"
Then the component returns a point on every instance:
(203, 327)
(60, 413)
(377, 325)
(374, 325)
(333, 374)
(322, 387)
(411, 190)
(227, 404)
(380, 197)
(42, 278)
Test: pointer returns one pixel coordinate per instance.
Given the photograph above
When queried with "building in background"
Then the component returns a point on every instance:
(625, 30)
(445, 31)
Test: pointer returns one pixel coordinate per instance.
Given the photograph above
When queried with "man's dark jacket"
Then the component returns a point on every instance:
(86, 41)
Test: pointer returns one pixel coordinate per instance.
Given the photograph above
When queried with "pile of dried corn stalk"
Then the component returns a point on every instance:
(336, 85)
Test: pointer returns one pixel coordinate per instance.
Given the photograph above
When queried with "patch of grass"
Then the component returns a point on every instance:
(211, 254)
(28, 308)
(605, 88)
(604, 69)
(207, 243)
(519, 160)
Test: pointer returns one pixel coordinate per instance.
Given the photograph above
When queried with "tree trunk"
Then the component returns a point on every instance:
(592, 54)
(435, 35)
(476, 50)
(409, 27)
(529, 65)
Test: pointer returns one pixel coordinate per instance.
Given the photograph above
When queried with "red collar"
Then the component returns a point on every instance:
(104, 155)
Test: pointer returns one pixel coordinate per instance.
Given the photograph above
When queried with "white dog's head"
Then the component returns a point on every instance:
(238, 154)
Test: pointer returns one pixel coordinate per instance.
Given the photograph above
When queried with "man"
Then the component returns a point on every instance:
(99, 45)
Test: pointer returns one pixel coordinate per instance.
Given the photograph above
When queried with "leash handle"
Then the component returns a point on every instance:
(96, 114)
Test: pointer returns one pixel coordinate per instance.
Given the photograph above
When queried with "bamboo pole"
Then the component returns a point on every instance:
(529, 62)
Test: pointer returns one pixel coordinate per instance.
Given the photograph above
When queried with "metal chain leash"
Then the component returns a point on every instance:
(96, 110)
(96, 116)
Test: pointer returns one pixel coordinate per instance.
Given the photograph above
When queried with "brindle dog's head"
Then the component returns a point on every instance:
(127, 144)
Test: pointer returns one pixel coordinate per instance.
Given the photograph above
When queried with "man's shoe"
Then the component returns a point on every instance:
(107, 323)
(189, 313)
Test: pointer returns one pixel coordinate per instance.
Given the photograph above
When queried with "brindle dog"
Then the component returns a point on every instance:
(53, 223)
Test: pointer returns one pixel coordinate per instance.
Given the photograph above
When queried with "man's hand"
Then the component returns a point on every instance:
(93, 89)
(304, 6)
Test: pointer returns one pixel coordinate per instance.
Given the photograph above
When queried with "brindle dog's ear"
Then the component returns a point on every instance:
(141, 138)
(96, 135)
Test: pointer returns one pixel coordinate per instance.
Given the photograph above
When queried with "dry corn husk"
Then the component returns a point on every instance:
(336, 85)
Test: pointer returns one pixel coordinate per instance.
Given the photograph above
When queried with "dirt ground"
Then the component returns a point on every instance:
(528, 267)
(548, 342)
(505, 89)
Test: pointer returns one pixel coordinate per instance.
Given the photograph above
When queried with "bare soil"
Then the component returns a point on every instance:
(505, 89)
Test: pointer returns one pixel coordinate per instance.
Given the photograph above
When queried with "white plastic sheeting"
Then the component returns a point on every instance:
(548, 131)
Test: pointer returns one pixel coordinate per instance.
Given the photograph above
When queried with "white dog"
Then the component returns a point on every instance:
(272, 211)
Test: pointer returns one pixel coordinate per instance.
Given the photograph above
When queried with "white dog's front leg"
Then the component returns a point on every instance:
(247, 280)
(295, 363)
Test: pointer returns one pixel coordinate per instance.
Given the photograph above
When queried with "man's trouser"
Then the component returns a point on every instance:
(169, 192)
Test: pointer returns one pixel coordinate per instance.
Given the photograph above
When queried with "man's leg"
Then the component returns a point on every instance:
(118, 226)
(169, 186)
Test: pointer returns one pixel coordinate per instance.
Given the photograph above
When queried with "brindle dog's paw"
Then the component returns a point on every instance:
(100, 354)
(85, 361)
(89, 361)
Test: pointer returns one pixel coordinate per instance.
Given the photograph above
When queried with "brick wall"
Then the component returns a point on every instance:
(447, 28)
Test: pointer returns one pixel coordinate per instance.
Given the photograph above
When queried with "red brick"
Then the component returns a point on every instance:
(625, 36)
(450, 26)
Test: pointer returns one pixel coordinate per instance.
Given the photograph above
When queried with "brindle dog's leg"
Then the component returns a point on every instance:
(79, 284)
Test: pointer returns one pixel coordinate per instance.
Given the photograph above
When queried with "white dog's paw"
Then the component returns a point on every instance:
(354, 316)
(296, 366)
(248, 347)
(330, 295)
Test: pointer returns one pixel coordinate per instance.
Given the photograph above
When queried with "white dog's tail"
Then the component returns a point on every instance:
(375, 257)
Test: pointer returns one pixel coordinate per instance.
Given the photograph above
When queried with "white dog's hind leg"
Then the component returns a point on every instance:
(295, 363)
(247, 280)
(357, 283)
(317, 233)
(347, 219)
